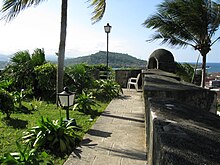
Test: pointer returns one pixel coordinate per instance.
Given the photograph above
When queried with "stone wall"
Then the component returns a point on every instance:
(179, 126)
(122, 76)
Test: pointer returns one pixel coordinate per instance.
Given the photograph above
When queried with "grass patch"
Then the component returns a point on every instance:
(12, 130)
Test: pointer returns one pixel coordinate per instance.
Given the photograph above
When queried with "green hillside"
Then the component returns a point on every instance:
(115, 60)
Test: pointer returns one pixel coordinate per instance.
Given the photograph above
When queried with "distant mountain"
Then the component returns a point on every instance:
(51, 58)
(115, 60)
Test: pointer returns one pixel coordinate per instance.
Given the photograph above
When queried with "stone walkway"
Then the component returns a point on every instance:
(118, 136)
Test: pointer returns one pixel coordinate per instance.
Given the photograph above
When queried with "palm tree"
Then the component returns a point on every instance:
(187, 23)
(21, 69)
(11, 8)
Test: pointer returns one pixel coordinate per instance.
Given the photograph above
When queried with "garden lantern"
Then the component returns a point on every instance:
(66, 100)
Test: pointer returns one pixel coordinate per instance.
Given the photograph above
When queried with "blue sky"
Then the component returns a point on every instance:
(39, 27)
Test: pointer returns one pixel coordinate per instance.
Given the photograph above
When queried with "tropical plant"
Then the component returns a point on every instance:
(11, 8)
(107, 89)
(46, 79)
(187, 23)
(56, 135)
(86, 104)
(38, 57)
(35, 104)
(185, 71)
(7, 103)
(4, 84)
(80, 78)
(18, 97)
(21, 70)
(24, 156)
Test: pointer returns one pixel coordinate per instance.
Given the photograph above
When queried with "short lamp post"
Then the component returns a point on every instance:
(107, 30)
(66, 100)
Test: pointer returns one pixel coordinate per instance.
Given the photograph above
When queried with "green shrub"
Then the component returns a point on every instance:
(5, 84)
(56, 135)
(35, 104)
(85, 103)
(18, 97)
(20, 70)
(107, 89)
(7, 103)
(79, 76)
(46, 78)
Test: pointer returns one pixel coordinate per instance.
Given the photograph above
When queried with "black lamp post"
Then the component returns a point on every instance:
(107, 30)
(65, 100)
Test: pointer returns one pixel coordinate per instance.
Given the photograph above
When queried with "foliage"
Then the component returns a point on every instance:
(185, 71)
(99, 9)
(21, 70)
(4, 84)
(18, 97)
(100, 67)
(187, 23)
(107, 89)
(85, 103)
(25, 156)
(7, 103)
(12, 130)
(38, 57)
(56, 135)
(10, 9)
(46, 78)
(80, 77)
(35, 104)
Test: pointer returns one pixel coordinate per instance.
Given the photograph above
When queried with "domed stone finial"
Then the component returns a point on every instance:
(161, 59)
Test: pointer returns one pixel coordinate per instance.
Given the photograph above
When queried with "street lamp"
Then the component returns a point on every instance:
(107, 30)
(66, 100)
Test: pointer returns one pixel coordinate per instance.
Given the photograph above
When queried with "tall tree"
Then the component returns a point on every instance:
(187, 23)
(11, 8)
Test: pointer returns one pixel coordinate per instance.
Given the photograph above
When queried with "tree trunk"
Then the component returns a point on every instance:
(203, 70)
(61, 53)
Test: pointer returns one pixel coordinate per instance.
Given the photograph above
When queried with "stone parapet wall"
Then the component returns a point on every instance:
(179, 127)
(162, 86)
(122, 76)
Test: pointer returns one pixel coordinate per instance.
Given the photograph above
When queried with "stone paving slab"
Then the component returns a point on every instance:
(118, 136)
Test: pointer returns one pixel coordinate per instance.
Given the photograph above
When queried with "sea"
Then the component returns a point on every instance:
(211, 67)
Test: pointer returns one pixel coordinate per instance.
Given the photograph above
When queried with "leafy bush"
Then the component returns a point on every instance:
(80, 77)
(18, 97)
(107, 89)
(38, 57)
(35, 104)
(20, 71)
(5, 84)
(7, 103)
(46, 78)
(56, 135)
(85, 103)
(100, 67)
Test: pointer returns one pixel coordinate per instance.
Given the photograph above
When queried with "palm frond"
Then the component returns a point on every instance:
(180, 22)
(11, 8)
(99, 9)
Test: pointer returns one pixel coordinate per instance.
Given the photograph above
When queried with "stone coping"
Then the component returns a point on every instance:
(181, 135)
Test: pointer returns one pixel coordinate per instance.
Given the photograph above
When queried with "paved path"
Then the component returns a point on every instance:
(118, 136)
